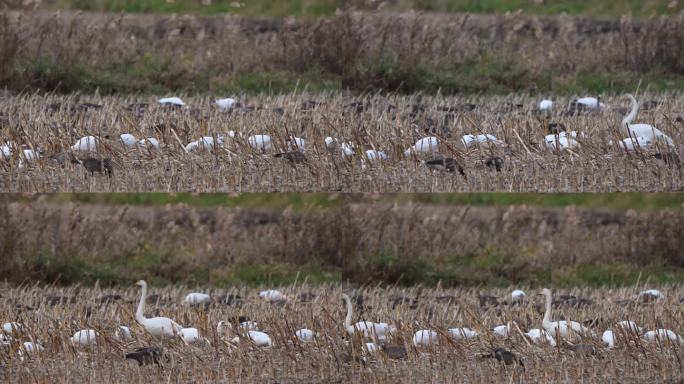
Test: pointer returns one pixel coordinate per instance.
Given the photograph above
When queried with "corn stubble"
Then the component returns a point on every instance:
(51, 315)
(236, 167)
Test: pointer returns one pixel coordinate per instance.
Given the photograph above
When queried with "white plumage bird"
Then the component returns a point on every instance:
(563, 329)
(642, 130)
(540, 336)
(191, 336)
(159, 327)
(545, 105)
(590, 102)
(123, 333)
(7, 149)
(197, 298)
(518, 295)
(369, 329)
(347, 149)
(84, 337)
(260, 142)
(425, 338)
(272, 295)
(305, 335)
(631, 144)
(85, 144)
(502, 330)
(128, 140)
(149, 142)
(172, 101)
(375, 155)
(426, 145)
(563, 140)
(226, 103)
(10, 328)
(662, 335)
(608, 339)
(261, 339)
(462, 333)
(486, 140)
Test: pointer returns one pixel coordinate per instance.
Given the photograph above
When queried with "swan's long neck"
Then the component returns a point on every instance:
(547, 314)
(632, 114)
(139, 316)
(348, 319)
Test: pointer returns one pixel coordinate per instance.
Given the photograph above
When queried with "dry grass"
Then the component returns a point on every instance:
(328, 359)
(358, 242)
(407, 52)
(28, 121)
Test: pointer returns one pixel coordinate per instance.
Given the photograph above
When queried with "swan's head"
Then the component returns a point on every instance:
(630, 97)
(345, 298)
(141, 283)
(546, 292)
(222, 327)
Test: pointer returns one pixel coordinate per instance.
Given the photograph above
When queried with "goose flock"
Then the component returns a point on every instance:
(434, 151)
(372, 336)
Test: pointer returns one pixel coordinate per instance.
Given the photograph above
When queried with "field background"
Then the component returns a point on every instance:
(263, 239)
(564, 47)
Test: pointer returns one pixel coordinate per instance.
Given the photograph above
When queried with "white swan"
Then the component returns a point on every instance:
(371, 347)
(272, 295)
(662, 335)
(197, 298)
(540, 336)
(630, 326)
(545, 105)
(564, 140)
(305, 335)
(248, 325)
(84, 337)
(260, 142)
(651, 294)
(296, 144)
(191, 336)
(261, 339)
(590, 102)
(123, 333)
(30, 347)
(369, 329)
(462, 333)
(85, 144)
(226, 103)
(564, 329)
(373, 155)
(128, 140)
(642, 130)
(172, 101)
(425, 338)
(518, 295)
(159, 327)
(149, 142)
(30, 155)
(425, 145)
(347, 149)
(631, 144)
(10, 328)
(608, 339)
(7, 149)
(487, 140)
(502, 330)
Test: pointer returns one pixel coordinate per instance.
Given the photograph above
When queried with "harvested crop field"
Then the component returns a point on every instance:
(369, 144)
(50, 316)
